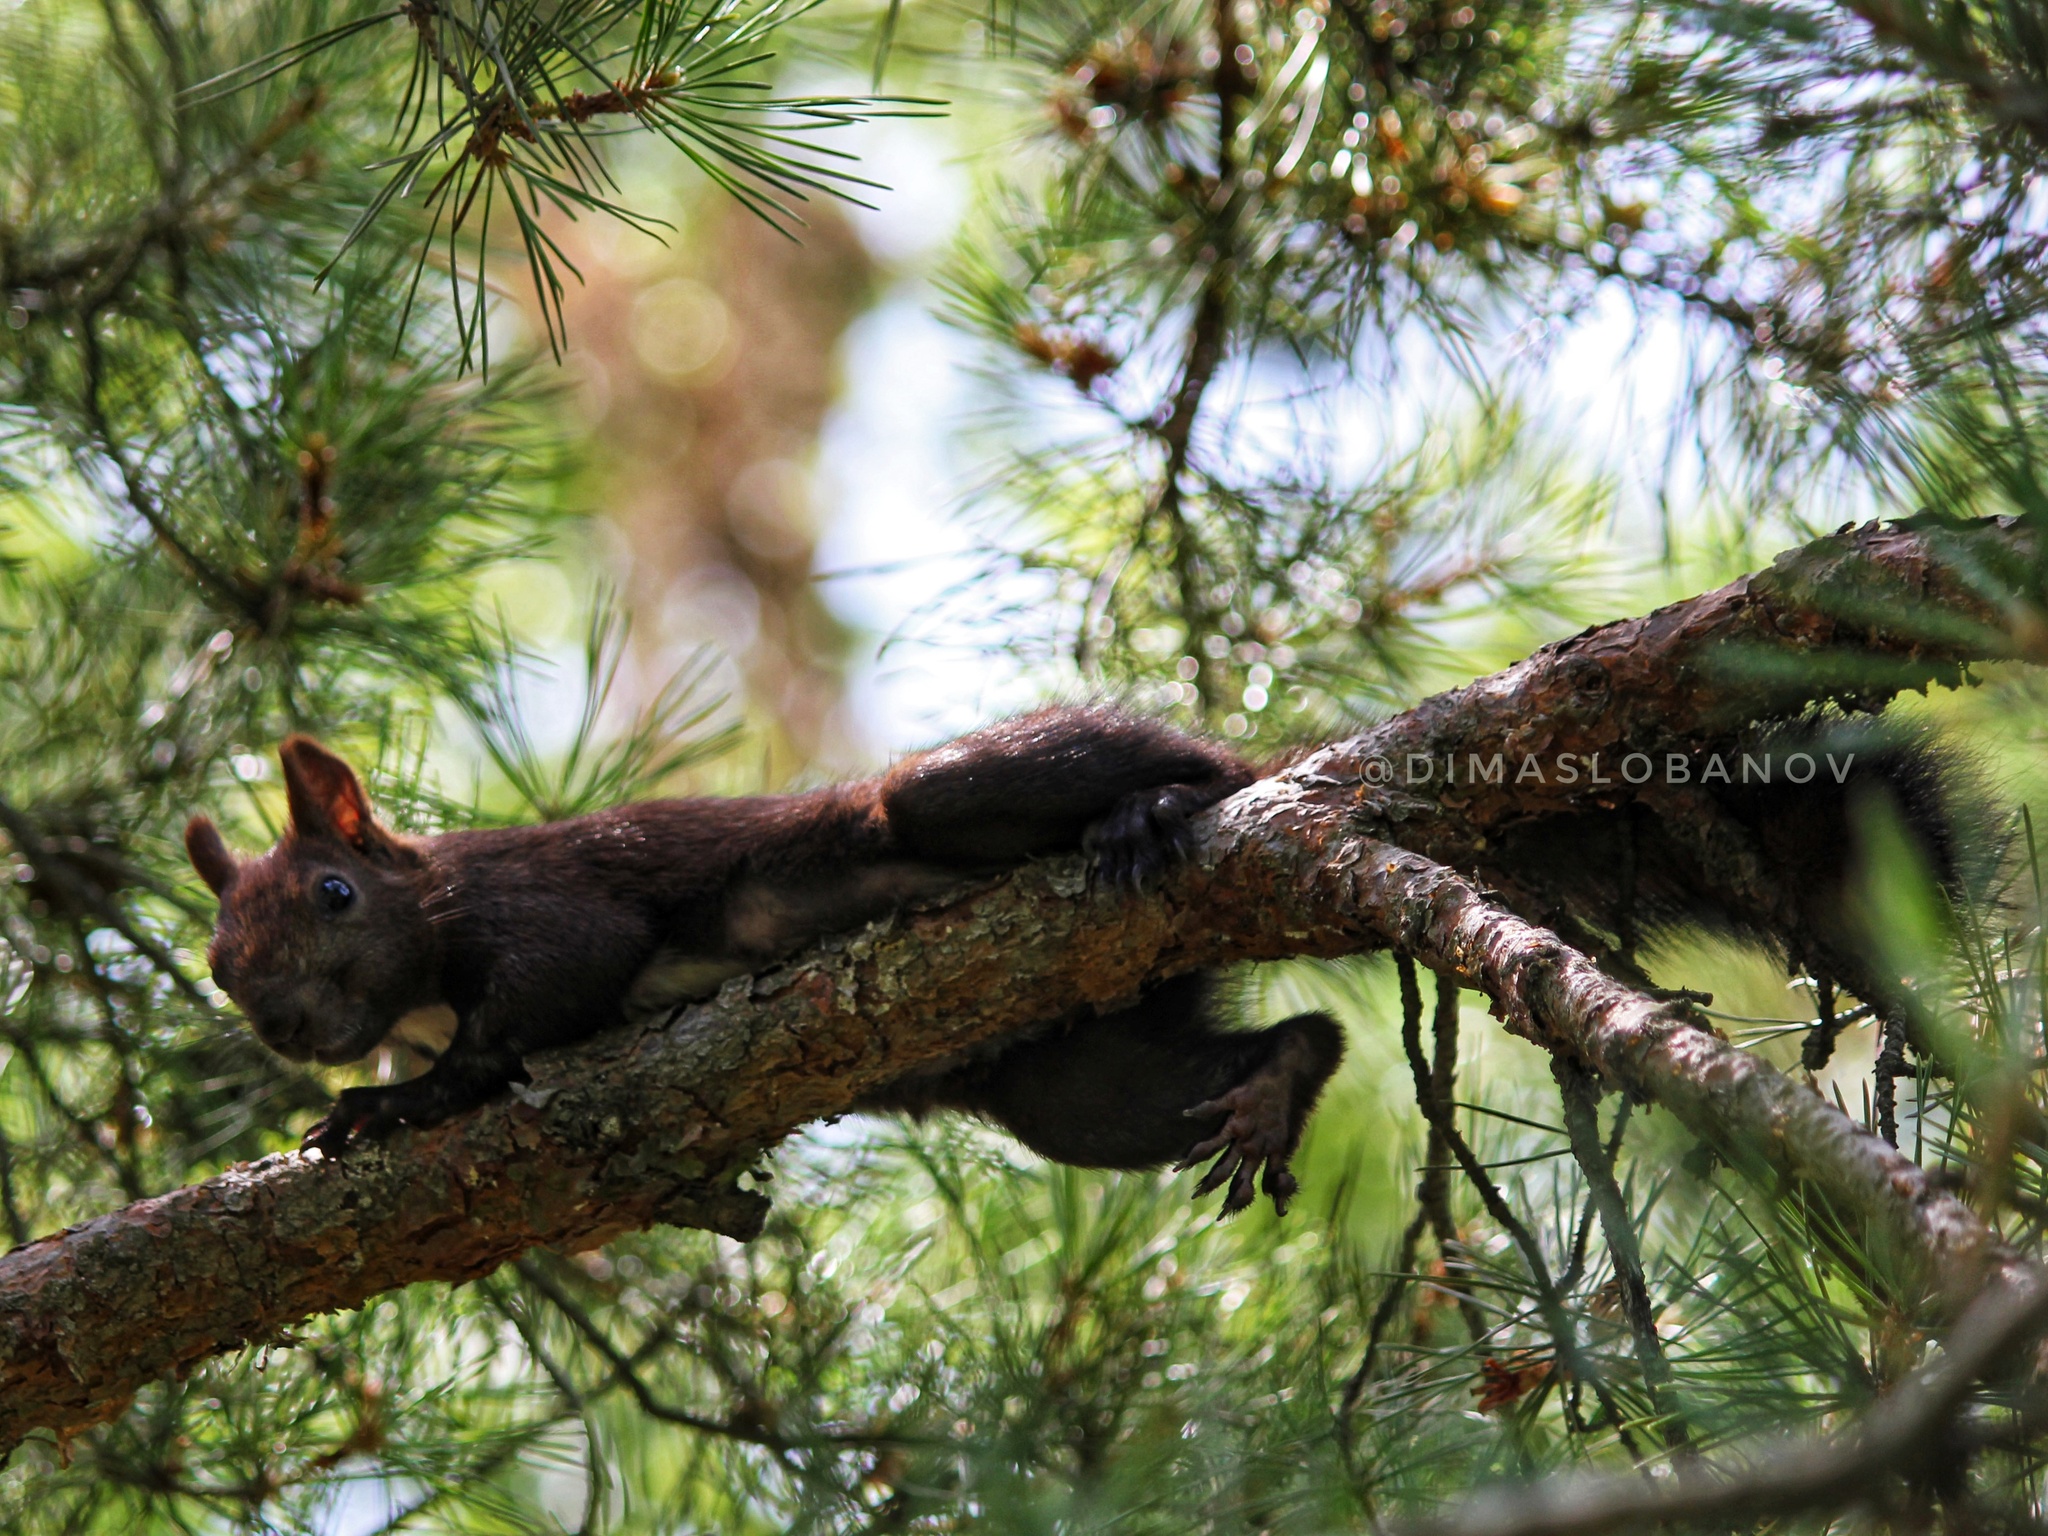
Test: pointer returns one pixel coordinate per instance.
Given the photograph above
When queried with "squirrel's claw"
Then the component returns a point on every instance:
(1146, 834)
(329, 1137)
(1225, 1166)
(1257, 1132)
(359, 1115)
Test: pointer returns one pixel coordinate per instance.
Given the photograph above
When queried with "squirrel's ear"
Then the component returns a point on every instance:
(325, 796)
(210, 855)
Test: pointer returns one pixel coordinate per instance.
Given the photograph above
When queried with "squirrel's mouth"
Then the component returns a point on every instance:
(303, 1037)
(353, 1046)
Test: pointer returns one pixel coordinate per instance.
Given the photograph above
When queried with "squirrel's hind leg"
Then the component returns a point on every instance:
(1156, 1083)
(1044, 782)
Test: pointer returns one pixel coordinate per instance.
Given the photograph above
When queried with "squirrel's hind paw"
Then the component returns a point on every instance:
(1144, 835)
(1263, 1116)
(1259, 1131)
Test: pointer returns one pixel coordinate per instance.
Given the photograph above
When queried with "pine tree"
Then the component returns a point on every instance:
(265, 451)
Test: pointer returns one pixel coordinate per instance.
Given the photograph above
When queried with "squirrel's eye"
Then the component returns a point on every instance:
(335, 893)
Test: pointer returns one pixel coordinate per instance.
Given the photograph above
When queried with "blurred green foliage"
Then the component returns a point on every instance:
(1283, 283)
(253, 479)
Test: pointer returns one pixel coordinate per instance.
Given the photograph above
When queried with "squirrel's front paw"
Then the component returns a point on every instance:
(359, 1114)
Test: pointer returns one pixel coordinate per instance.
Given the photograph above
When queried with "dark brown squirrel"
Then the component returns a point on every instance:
(537, 936)
(1767, 858)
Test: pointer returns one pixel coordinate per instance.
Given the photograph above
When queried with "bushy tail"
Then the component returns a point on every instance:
(1770, 836)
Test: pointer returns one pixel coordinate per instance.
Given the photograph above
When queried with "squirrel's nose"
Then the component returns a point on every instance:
(281, 1023)
(289, 1044)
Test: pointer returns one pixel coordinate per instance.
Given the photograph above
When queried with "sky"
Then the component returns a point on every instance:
(893, 469)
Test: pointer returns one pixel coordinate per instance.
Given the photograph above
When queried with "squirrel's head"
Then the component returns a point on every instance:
(321, 941)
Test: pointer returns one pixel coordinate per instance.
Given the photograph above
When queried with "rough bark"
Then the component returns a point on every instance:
(1852, 619)
(636, 1128)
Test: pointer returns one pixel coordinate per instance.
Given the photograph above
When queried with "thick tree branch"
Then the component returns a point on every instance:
(642, 1127)
(1852, 619)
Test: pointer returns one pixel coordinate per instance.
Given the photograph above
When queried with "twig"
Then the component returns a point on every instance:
(140, 497)
(1906, 1433)
(624, 1374)
(113, 257)
(423, 14)
(1445, 1127)
(1382, 1315)
(477, 1471)
(1891, 1066)
(574, 1396)
(1207, 333)
(1434, 1191)
(2005, 97)
(1437, 1081)
(1557, 1321)
(1581, 1098)
(122, 1045)
(1583, 1230)
(81, 1125)
(1819, 1044)
(28, 842)
(17, 1225)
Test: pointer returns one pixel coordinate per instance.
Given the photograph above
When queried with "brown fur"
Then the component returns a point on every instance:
(536, 936)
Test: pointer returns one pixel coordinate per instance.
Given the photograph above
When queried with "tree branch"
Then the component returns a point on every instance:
(638, 1127)
(1908, 1433)
(1852, 619)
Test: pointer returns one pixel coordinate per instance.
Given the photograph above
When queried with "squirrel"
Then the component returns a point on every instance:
(347, 934)
(1757, 854)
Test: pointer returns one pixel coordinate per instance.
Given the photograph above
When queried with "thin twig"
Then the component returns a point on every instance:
(81, 1125)
(1819, 1044)
(1434, 1191)
(1908, 1433)
(1383, 1314)
(1557, 1321)
(625, 1375)
(1581, 1098)
(113, 257)
(140, 498)
(1891, 1066)
(1438, 1081)
(82, 894)
(1207, 332)
(1584, 1228)
(17, 1225)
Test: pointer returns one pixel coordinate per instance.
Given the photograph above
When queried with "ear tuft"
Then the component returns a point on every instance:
(210, 855)
(326, 798)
